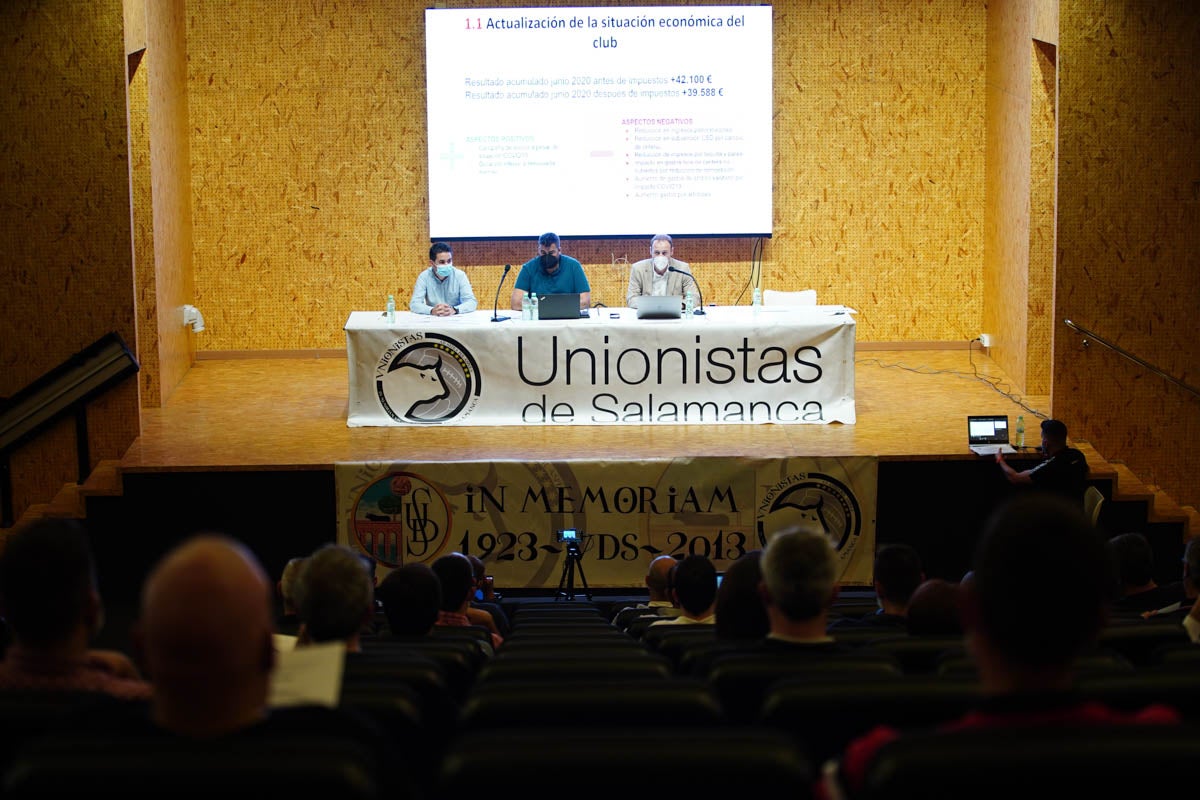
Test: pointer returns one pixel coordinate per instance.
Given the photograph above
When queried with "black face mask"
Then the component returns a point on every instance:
(549, 262)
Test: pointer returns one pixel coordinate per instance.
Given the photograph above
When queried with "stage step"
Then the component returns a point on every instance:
(71, 501)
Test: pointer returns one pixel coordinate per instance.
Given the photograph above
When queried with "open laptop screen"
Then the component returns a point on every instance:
(987, 429)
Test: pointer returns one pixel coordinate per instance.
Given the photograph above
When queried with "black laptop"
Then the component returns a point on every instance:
(560, 306)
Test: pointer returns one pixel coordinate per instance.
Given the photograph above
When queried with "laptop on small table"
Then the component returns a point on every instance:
(987, 434)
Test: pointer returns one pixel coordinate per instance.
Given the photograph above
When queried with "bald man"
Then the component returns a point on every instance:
(205, 638)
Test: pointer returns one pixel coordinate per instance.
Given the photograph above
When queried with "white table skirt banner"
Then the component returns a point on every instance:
(734, 365)
(509, 513)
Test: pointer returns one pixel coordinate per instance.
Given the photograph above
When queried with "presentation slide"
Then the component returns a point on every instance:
(599, 122)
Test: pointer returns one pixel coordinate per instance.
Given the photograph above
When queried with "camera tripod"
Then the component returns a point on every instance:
(574, 562)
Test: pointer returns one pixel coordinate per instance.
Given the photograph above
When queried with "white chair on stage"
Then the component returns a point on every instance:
(772, 297)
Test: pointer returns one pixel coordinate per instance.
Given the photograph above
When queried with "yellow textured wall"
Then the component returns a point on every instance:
(66, 268)
(1006, 246)
(1043, 165)
(1129, 233)
(166, 67)
(309, 170)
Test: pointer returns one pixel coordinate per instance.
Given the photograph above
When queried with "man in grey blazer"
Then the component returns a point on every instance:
(653, 276)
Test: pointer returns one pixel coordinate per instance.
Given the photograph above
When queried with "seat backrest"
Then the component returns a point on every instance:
(28, 714)
(1053, 761)
(630, 703)
(918, 655)
(741, 680)
(629, 763)
(1178, 687)
(774, 297)
(1138, 640)
(826, 715)
(162, 766)
(575, 666)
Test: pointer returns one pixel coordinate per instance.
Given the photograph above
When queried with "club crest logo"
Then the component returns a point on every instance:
(434, 379)
(400, 518)
(808, 498)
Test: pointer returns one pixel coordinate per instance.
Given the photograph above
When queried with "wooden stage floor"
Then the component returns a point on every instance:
(290, 414)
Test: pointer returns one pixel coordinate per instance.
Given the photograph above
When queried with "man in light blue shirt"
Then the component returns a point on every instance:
(443, 290)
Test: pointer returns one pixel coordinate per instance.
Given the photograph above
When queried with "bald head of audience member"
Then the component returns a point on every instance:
(658, 578)
(205, 637)
(933, 609)
(799, 567)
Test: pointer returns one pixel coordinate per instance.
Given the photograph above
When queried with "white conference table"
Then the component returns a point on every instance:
(733, 365)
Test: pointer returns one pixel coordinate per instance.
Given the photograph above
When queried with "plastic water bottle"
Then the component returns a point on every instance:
(689, 305)
(757, 301)
(526, 307)
(391, 309)
(533, 306)
(1020, 430)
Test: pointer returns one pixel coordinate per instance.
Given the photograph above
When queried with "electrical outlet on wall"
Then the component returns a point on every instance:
(985, 339)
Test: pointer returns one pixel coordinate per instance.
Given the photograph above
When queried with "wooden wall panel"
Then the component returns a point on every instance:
(1006, 287)
(166, 66)
(1043, 166)
(65, 235)
(1129, 233)
(309, 170)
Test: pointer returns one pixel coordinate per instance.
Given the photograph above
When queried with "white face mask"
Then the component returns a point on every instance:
(444, 270)
(660, 263)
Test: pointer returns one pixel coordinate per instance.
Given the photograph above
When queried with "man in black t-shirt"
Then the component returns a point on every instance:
(1064, 470)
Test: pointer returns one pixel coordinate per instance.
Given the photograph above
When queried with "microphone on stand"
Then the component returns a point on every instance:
(699, 310)
(496, 302)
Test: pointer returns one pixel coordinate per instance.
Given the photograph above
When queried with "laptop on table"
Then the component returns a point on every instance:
(659, 306)
(987, 434)
(560, 306)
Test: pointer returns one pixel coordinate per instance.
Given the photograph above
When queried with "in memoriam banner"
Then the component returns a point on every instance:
(509, 513)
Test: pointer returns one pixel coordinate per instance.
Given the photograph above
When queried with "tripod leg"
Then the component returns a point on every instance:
(583, 579)
(564, 579)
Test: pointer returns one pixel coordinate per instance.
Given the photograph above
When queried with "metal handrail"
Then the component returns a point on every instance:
(1122, 351)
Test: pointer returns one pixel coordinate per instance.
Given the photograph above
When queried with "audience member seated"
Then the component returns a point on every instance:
(1035, 603)
(694, 590)
(1133, 567)
(205, 638)
(741, 615)
(799, 567)
(49, 596)
(412, 598)
(335, 597)
(658, 584)
(934, 610)
(1187, 610)
(288, 620)
(898, 572)
(483, 598)
(458, 582)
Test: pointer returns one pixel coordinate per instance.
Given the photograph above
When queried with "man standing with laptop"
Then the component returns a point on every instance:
(654, 275)
(551, 272)
(1064, 470)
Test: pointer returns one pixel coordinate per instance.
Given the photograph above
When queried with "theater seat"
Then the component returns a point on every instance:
(635, 764)
(1054, 761)
(626, 704)
(160, 766)
(826, 715)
